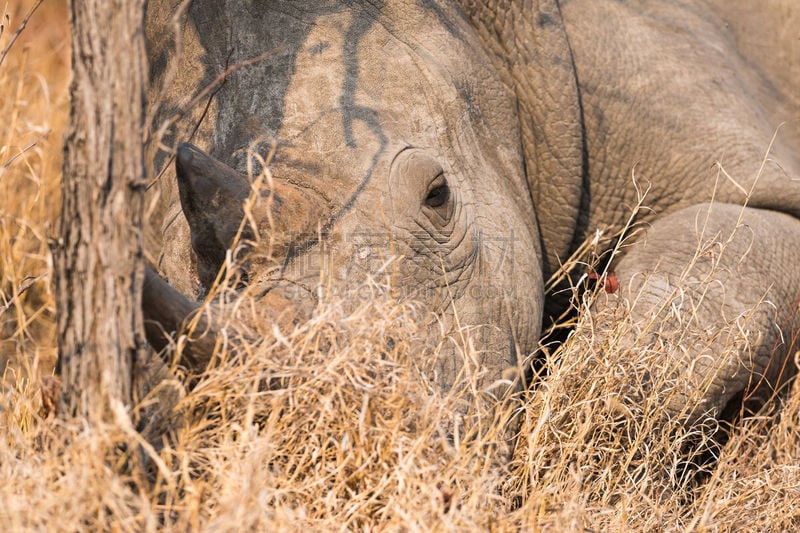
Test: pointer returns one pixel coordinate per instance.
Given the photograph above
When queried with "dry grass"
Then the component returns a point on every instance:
(34, 111)
(350, 435)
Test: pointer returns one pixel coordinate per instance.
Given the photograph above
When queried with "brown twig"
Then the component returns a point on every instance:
(172, 66)
(26, 283)
(22, 152)
(17, 33)
(215, 84)
(207, 91)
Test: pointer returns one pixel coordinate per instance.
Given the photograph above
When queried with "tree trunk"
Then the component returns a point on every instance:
(99, 264)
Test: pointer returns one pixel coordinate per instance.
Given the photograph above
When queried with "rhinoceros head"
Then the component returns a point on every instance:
(396, 156)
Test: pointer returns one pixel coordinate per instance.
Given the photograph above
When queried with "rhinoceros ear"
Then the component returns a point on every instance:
(530, 43)
(212, 197)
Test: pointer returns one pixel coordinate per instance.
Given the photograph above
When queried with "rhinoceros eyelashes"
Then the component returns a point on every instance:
(439, 194)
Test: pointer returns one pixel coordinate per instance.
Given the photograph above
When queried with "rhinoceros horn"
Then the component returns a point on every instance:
(212, 197)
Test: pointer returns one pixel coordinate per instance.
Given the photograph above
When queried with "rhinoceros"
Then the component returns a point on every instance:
(479, 144)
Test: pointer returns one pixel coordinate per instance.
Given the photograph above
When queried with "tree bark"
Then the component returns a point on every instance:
(99, 264)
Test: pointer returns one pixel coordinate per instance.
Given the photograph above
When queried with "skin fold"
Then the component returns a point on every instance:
(478, 144)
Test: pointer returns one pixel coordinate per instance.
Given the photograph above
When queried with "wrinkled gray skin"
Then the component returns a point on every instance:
(534, 115)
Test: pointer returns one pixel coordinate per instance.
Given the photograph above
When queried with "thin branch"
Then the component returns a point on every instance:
(172, 66)
(22, 152)
(208, 91)
(26, 283)
(17, 33)
(214, 85)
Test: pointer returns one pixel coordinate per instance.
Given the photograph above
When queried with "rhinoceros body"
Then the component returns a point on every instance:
(478, 144)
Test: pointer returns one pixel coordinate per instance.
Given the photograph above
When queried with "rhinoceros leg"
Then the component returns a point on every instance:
(727, 320)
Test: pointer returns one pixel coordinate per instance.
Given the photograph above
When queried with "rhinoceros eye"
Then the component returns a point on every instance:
(418, 182)
(438, 194)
